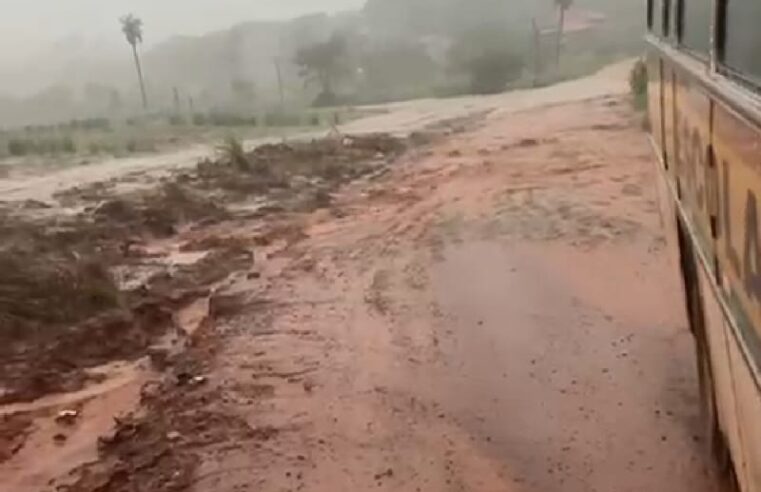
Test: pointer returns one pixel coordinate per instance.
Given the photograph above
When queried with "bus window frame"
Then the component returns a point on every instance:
(679, 21)
(724, 79)
(737, 78)
(665, 19)
(674, 10)
(720, 27)
(657, 19)
(743, 81)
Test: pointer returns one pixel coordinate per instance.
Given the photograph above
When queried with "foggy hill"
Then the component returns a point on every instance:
(81, 77)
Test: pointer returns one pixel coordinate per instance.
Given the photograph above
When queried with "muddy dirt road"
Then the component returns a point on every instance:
(497, 312)
(499, 315)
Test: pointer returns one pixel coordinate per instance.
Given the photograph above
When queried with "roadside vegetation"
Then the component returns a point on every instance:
(118, 138)
(638, 84)
(66, 300)
(488, 57)
(323, 68)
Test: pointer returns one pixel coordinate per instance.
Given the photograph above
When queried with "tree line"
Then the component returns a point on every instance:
(488, 55)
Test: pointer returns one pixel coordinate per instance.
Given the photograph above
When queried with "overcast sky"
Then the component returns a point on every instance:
(29, 25)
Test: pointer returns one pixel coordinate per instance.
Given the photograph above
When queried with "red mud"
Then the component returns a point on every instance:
(494, 312)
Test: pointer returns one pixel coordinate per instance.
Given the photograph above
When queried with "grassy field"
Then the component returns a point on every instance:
(80, 141)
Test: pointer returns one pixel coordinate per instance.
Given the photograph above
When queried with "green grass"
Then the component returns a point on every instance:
(137, 136)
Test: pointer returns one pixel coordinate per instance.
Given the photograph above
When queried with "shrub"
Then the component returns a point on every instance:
(489, 57)
(325, 99)
(88, 124)
(42, 146)
(491, 72)
(199, 119)
(176, 120)
(19, 147)
(219, 119)
(99, 124)
(280, 118)
(68, 145)
(638, 84)
(228, 119)
(235, 154)
(48, 146)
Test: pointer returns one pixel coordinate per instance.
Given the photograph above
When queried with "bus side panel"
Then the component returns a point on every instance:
(667, 86)
(718, 338)
(669, 134)
(668, 212)
(693, 135)
(654, 97)
(749, 416)
(738, 146)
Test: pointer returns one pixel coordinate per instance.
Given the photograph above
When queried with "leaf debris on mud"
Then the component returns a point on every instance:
(60, 305)
(156, 448)
(65, 308)
(13, 431)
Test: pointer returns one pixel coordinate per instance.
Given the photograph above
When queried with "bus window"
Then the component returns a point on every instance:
(649, 15)
(675, 20)
(678, 20)
(741, 39)
(695, 25)
(657, 16)
(666, 18)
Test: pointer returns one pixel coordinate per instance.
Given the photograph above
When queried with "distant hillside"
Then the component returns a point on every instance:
(206, 68)
(448, 17)
(236, 67)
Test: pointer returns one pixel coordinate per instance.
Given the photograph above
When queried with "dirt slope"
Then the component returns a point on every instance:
(496, 313)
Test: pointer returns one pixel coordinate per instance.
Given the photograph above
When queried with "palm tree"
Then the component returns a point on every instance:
(132, 27)
(562, 6)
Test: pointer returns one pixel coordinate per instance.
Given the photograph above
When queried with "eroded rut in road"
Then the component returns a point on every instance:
(495, 310)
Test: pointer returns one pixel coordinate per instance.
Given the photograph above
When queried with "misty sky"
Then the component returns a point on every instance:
(30, 25)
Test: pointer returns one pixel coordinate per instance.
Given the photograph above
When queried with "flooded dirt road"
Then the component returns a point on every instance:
(497, 312)
(498, 315)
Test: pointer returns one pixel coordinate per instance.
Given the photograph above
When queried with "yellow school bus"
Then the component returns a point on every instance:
(704, 102)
